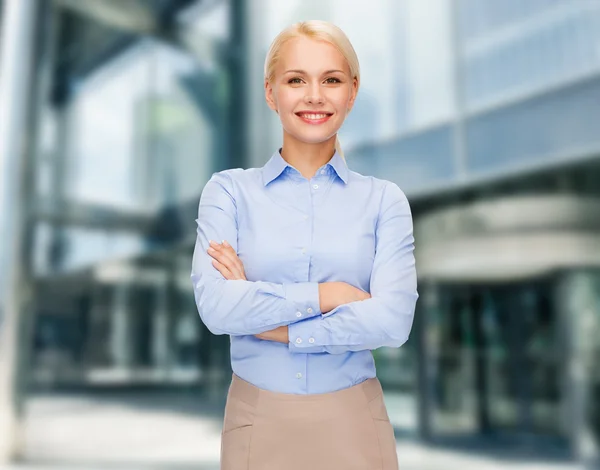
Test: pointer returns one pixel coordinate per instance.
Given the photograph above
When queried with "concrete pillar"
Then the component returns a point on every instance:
(427, 319)
(578, 301)
(160, 331)
(121, 340)
(17, 43)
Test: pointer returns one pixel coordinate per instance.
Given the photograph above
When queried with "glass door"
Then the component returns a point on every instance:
(496, 360)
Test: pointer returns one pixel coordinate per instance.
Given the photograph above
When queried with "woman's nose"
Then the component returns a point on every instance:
(313, 98)
(313, 94)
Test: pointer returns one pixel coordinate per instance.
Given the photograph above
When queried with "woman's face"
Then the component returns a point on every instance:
(312, 90)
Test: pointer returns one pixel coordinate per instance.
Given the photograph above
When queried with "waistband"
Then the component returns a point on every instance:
(360, 394)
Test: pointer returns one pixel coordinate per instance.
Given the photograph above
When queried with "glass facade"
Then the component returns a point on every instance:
(132, 136)
(501, 70)
(515, 48)
(533, 133)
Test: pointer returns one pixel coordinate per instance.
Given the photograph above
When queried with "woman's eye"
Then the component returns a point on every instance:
(332, 80)
(294, 80)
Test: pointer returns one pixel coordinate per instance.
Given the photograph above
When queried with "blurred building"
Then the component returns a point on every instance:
(486, 113)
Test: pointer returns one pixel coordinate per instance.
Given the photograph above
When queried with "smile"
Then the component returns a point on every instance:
(314, 118)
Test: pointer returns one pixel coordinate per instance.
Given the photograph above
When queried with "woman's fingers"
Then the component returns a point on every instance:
(225, 255)
(227, 274)
(230, 252)
(225, 261)
(230, 258)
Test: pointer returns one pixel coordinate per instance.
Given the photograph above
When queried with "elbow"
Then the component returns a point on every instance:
(211, 325)
(402, 314)
(397, 337)
(207, 309)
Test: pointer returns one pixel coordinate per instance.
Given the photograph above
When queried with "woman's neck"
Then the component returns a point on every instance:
(307, 158)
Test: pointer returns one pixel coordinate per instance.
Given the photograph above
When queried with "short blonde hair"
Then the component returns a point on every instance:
(321, 31)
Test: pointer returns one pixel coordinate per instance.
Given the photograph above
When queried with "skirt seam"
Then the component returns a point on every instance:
(255, 411)
(378, 441)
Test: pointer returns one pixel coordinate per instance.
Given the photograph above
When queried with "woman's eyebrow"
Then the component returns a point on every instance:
(304, 72)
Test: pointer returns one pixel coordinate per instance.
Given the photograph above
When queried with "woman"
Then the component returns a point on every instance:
(313, 270)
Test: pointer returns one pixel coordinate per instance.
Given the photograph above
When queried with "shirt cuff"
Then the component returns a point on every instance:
(305, 296)
(304, 337)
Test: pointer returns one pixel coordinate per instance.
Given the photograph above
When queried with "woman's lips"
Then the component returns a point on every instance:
(314, 118)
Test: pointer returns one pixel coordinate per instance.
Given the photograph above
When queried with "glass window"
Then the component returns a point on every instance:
(532, 132)
(527, 48)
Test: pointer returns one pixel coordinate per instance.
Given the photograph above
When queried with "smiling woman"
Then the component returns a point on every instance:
(312, 73)
(314, 270)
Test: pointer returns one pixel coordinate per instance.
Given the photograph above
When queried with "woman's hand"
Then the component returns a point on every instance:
(279, 334)
(334, 294)
(226, 260)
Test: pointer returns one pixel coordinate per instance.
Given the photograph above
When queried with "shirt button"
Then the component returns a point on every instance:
(299, 375)
(303, 251)
(309, 310)
(315, 186)
(322, 172)
(305, 217)
(298, 314)
(311, 340)
(298, 340)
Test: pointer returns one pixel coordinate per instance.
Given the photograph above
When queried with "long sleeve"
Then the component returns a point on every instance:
(238, 307)
(386, 318)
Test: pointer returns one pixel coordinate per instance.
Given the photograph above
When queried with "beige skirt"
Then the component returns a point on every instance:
(344, 430)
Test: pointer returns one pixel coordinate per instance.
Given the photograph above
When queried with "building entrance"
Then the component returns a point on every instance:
(496, 363)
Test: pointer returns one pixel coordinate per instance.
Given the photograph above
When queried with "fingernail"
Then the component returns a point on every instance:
(225, 243)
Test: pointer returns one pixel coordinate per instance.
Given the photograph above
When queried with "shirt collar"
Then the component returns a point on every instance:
(340, 166)
(276, 165)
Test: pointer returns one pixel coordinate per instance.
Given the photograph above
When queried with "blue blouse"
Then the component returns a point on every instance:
(292, 233)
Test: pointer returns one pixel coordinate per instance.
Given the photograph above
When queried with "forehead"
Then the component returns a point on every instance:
(310, 55)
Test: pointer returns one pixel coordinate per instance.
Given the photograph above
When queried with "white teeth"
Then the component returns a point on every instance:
(314, 116)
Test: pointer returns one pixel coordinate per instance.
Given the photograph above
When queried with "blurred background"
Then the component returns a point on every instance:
(115, 113)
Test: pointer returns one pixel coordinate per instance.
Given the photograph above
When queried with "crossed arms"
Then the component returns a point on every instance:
(311, 317)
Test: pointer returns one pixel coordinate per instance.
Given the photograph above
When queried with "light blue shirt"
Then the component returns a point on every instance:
(292, 233)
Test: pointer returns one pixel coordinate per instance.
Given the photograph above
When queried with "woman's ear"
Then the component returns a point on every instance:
(353, 93)
(269, 96)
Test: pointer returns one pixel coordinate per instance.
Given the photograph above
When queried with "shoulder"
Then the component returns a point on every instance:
(230, 180)
(389, 193)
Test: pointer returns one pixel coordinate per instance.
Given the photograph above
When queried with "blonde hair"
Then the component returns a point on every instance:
(321, 31)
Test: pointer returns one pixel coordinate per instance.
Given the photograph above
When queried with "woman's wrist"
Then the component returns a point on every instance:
(325, 297)
(329, 295)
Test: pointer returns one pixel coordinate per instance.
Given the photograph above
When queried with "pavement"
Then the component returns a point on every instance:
(179, 432)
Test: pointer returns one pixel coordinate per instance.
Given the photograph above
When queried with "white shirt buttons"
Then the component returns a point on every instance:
(305, 217)
(298, 340)
(298, 314)
(303, 251)
(322, 172)
(309, 310)
(315, 186)
(311, 340)
(299, 375)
